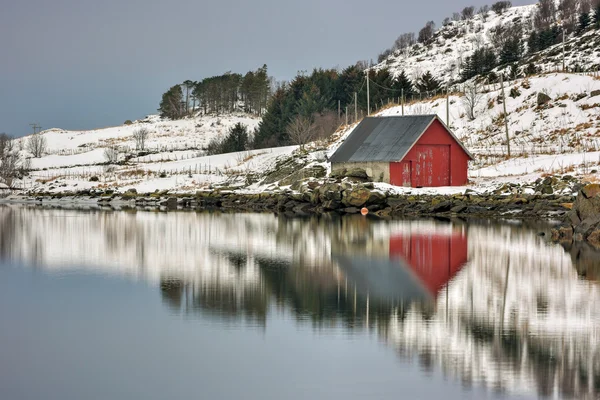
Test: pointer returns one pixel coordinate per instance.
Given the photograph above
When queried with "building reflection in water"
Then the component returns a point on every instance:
(490, 304)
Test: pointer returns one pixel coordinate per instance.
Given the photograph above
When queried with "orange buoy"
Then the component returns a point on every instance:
(364, 211)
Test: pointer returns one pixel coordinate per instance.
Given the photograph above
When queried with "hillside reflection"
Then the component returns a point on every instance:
(490, 304)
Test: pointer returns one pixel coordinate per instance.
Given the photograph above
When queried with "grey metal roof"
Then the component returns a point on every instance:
(385, 138)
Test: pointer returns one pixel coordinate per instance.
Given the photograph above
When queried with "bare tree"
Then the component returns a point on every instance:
(325, 124)
(301, 130)
(426, 33)
(501, 6)
(111, 155)
(545, 14)
(140, 136)
(36, 145)
(404, 41)
(468, 12)
(568, 14)
(484, 12)
(9, 160)
(471, 99)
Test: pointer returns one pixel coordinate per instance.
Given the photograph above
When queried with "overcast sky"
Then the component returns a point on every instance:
(81, 64)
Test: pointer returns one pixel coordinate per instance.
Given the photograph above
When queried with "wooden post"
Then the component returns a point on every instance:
(355, 107)
(368, 96)
(505, 115)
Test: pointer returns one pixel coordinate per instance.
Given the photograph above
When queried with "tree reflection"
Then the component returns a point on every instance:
(491, 303)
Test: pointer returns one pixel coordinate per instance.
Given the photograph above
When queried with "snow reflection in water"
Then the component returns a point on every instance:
(488, 303)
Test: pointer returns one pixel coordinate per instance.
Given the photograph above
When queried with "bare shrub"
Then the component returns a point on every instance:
(301, 130)
(325, 125)
(140, 136)
(471, 99)
(36, 145)
(501, 6)
(111, 155)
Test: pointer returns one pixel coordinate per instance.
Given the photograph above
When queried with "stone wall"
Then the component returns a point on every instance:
(376, 171)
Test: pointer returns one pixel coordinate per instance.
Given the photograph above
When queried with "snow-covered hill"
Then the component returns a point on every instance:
(446, 54)
(559, 136)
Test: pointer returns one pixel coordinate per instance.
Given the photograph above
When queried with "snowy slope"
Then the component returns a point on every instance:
(444, 57)
(165, 135)
(568, 123)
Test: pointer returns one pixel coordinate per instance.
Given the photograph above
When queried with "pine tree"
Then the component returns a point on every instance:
(533, 42)
(172, 105)
(236, 140)
(428, 83)
(403, 85)
(584, 22)
(597, 16)
(481, 62)
(512, 51)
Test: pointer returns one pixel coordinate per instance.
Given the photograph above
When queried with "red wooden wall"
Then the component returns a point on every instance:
(435, 160)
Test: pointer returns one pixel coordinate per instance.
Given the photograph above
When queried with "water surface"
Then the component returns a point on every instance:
(122, 305)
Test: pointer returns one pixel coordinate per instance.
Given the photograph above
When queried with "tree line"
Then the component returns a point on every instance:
(224, 93)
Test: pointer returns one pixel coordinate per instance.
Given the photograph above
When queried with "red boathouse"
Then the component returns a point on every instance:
(414, 151)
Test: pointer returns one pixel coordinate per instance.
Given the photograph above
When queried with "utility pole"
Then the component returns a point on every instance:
(368, 96)
(346, 115)
(36, 128)
(355, 107)
(339, 111)
(447, 107)
(402, 101)
(505, 115)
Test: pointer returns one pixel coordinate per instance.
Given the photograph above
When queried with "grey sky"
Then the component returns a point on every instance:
(80, 64)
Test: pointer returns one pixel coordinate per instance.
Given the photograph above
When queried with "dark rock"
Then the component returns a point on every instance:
(351, 210)
(542, 99)
(595, 93)
(587, 203)
(357, 197)
(443, 206)
(357, 173)
(573, 218)
(586, 226)
(458, 209)
(590, 191)
(564, 232)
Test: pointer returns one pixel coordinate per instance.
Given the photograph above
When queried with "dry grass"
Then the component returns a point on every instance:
(50, 179)
(589, 106)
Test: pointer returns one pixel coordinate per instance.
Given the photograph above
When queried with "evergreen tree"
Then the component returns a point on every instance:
(428, 83)
(584, 22)
(481, 62)
(236, 140)
(511, 51)
(402, 84)
(172, 105)
(597, 16)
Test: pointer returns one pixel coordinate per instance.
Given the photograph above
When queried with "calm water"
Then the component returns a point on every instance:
(120, 305)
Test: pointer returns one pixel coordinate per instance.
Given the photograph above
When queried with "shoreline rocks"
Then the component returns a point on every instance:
(582, 222)
(314, 198)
